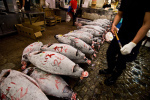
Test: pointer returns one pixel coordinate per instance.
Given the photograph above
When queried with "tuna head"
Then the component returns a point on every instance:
(4, 74)
(62, 39)
(30, 48)
(43, 48)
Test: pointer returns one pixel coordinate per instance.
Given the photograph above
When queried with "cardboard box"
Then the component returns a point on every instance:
(28, 32)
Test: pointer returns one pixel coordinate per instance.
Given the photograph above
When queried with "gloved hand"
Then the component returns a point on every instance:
(126, 49)
(113, 29)
(22, 9)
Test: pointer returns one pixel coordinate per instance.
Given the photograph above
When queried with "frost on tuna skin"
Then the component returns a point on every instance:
(51, 84)
(54, 63)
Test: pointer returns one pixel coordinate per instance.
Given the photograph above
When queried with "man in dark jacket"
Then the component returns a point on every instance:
(25, 5)
(135, 25)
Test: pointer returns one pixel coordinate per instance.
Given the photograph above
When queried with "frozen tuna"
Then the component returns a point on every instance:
(72, 53)
(83, 33)
(15, 85)
(56, 63)
(77, 43)
(92, 31)
(30, 48)
(98, 28)
(51, 84)
(83, 37)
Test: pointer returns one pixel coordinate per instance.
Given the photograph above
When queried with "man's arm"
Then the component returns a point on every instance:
(143, 30)
(116, 21)
(139, 36)
(23, 3)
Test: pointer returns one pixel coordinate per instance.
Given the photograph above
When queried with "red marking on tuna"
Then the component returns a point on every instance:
(50, 55)
(8, 88)
(85, 45)
(76, 39)
(66, 50)
(29, 50)
(3, 96)
(57, 62)
(62, 48)
(56, 83)
(31, 45)
(13, 83)
(21, 93)
(42, 63)
(45, 59)
(73, 96)
(60, 57)
(48, 74)
(56, 48)
(43, 78)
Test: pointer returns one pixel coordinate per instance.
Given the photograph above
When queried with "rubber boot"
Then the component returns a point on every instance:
(112, 79)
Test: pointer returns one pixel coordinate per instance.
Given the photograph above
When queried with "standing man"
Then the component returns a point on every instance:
(135, 25)
(25, 4)
(72, 9)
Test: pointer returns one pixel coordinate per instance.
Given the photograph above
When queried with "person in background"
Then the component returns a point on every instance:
(135, 25)
(25, 5)
(73, 9)
(106, 4)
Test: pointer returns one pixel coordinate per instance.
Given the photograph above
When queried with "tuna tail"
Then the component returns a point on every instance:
(88, 62)
(74, 96)
(94, 55)
(23, 67)
(84, 74)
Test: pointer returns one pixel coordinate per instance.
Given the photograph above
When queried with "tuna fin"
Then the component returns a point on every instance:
(38, 52)
(7, 73)
(66, 89)
(31, 80)
(75, 68)
(49, 44)
(73, 43)
(77, 53)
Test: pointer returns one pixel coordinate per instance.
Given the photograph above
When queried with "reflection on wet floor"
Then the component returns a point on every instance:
(134, 83)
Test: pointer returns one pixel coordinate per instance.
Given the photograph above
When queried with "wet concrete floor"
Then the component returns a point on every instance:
(133, 84)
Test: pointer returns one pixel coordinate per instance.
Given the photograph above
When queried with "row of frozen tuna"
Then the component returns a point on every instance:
(51, 60)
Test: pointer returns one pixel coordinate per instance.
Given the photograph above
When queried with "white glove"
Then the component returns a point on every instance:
(22, 8)
(127, 48)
